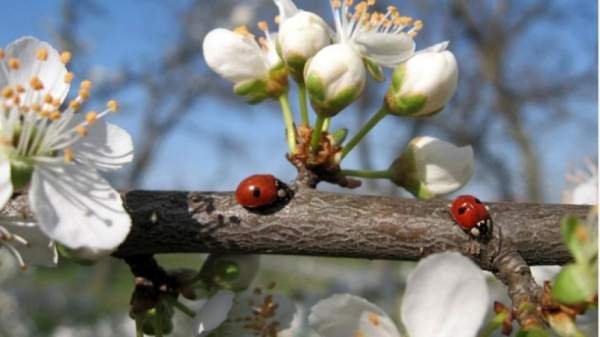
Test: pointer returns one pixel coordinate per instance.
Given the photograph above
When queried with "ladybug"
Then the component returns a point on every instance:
(260, 190)
(470, 214)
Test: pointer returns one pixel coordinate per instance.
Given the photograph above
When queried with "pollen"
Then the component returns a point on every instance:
(20, 89)
(41, 54)
(112, 105)
(81, 130)
(242, 30)
(84, 94)
(85, 85)
(55, 102)
(36, 107)
(7, 92)
(336, 4)
(54, 115)
(44, 113)
(48, 99)
(91, 117)
(349, 2)
(65, 57)
(263, 25)
(68, 155)
(36, 83)
(74, 104)
(14, 63)
(69, 77)
(373, 318)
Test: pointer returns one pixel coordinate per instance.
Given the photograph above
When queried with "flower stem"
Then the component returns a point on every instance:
(303, 107)
(138, 326)
(383, 174)
(158, 327)
(182, 307)
(316, 134)
(289, 122)
(364, 130)
(326, 124)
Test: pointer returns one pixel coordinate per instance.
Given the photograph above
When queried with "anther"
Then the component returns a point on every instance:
(90, 117)
(1, 54)
(20, 89)
(81, 130)
(84, 94)
(56, 102)
(14, 63)
(41, 54)
(7, 92)
(36, 107)
(74, 104)
(69, 77)
(65, 57)
(36, 83)
(336, 4)
(242, 30)
(48, 99)
(54, 115)
(277, 20)
(85, 85)
(112, 105)
(263, 25)
(45, 113)
(68, 155)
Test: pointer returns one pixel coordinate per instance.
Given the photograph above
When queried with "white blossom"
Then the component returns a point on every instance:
(430, 167)
(58, 153)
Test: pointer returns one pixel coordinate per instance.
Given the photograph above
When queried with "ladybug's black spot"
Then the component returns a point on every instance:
(255, 191)
(477, 201)
(462, 210)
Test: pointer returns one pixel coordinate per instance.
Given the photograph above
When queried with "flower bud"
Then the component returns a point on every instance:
(335, 77)
(234, 272)
(429, 167)
(423, 84)
(300, 38)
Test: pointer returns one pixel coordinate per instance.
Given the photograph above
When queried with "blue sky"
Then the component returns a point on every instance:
(132, 32)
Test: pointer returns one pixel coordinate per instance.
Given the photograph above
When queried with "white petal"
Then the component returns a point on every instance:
(544, 273)
(303, 35)
(438, 47)
(586, 192)
(287, 9)
(233, 56)
(40, 250)
(443, 167)
(344, 315)
(77, 207)
(386, 49)
(6, 188)
(214, 312)
(446, 296)
(106, 147)
(51, 72)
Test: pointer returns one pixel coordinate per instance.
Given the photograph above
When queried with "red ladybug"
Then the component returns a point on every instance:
(259, 190)
(470, 214)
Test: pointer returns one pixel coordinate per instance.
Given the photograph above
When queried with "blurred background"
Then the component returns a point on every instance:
(526, 102)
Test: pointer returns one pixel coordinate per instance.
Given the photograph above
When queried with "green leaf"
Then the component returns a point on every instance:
(339, 136)
(575, 236)
(493, 324)
(374, 69)
(533, 332)
(574, 283)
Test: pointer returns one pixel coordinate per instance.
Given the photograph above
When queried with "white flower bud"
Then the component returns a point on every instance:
(300, 38)
(429, 167)
(423, 85)
(335, 77)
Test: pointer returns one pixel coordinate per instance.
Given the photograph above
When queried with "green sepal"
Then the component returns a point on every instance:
(403, 172)
(315, 87)
(21, 171)
(533, 332)
(576, 237)
(249, 87)
(374, 69)
(575, 283)
(339, 136)
(73, 255)
(407, 105)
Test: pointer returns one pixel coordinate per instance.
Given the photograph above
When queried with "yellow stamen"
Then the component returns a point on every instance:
(1, 54)
(69, 77)
(48, 99)
(85, 85)
(336, 4)
(84, 94)
(418, 25)
(65, 57)
(373, 318)
(56, 102)
(7, 92)
(36, 83)
(74, 104)
(112, 105)
(81, 130)
(348, 2)
(36, 107)
(277, 20)
(54, 115)
(263, 25)
(68, 155)
(41, 54)
(371, 2)
(14, 63)
(45, 113)
(20, 89)
(91, 116)
(242, 30)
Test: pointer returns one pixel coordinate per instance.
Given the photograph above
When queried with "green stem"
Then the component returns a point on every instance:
(303, 107)
(158, 328)
(316, 134)
(138, 326)
(364, 130)
(289, 122)
(326, 123)
(384, 174)
(182, 307)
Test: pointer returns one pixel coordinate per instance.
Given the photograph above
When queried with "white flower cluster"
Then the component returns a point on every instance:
(55, 153)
